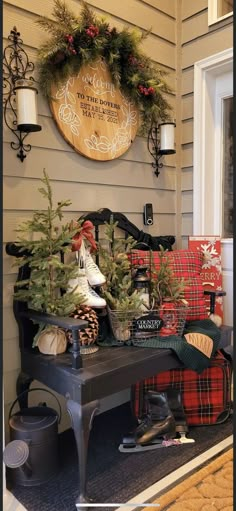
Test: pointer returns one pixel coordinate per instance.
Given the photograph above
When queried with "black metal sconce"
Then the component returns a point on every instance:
(19, 94)
(161, 142)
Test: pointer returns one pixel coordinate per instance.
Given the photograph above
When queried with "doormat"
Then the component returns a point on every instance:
(211, 488)
(114, 476)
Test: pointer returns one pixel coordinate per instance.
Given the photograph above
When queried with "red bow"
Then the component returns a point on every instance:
(85, 232)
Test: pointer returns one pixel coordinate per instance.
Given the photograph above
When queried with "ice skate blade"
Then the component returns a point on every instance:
(184, 440)
(150, 447)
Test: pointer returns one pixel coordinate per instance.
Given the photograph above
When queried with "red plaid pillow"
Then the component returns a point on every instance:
(186, 264)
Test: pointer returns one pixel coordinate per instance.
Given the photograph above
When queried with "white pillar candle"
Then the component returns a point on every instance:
(167, 137)
(26, 106)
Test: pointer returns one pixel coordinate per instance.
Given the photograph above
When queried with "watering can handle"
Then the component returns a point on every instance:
(31, 390)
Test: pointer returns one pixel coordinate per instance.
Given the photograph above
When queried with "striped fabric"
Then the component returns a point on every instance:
(206, 397)
(186, 264)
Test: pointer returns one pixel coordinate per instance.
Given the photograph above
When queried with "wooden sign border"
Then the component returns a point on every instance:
(121, 114)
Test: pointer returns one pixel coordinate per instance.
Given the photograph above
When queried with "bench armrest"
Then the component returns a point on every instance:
(50, 319)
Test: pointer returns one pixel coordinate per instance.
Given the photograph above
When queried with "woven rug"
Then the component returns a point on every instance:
(208, 489)
(114, 476)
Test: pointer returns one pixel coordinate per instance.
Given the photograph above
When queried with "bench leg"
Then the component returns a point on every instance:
(22, 385)
(81, 421)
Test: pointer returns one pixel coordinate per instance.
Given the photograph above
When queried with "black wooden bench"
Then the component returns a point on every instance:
(84, 380)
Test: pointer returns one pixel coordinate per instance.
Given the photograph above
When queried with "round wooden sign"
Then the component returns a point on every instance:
(93, 115)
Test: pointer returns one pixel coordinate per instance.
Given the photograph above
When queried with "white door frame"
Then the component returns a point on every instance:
(206, 153)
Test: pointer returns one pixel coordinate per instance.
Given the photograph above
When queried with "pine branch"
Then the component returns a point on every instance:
(87, 15)
(116, 266)
(48, 274)
(64, 15)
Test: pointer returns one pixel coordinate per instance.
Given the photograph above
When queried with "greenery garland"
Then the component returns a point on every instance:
(81, 40)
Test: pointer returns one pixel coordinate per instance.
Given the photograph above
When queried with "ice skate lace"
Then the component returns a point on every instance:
(91, 265)
(84, 286)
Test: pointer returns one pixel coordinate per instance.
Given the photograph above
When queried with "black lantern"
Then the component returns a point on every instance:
(141, 282)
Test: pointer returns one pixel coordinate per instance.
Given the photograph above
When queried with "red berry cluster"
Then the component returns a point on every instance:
(70, 39)
(92, 31)
(146, 91)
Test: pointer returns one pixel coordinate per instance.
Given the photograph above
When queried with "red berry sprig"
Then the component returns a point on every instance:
(146, 91)
(92, 31)
(70, 39)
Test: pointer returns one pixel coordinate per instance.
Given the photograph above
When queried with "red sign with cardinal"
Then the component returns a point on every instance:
(211, 274)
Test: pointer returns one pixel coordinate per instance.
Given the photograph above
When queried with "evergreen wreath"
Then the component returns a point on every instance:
(75, 41)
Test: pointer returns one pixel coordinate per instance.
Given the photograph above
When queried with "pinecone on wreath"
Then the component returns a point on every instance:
(88, 335)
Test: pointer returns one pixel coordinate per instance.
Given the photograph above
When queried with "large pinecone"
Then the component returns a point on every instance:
(87, 335)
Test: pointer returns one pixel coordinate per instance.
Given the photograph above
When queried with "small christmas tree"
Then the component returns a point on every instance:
(124, 303)
(116, 266)
(45, 289)
(164, 284)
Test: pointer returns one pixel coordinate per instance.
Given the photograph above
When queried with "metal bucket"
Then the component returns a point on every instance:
(37, 426)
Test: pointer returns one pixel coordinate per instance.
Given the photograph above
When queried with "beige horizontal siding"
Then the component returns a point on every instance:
(187, 225)
(167, 6)
(187, 179)
(184, 242)
(187, 156)
(187, 132)
(67, 168)
(10, 378)
(21, 195)
(11, 354)
(192, 8)
(8, 266)
(187, 201)
(208, 45)
(187, 80)
(194, 27)
(10, 328)
(187, 107)
(8, 289)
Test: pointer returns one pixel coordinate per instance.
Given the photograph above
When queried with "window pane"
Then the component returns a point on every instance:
(227, 168)
(224, 7)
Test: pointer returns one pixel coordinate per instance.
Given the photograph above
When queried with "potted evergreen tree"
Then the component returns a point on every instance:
(42, 240)
(123, 302)
(167, 292)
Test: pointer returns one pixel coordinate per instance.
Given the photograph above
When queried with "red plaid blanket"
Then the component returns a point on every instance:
(206, 397)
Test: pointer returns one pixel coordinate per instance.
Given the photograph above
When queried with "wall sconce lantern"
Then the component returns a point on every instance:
(19, 94)
(161, 141)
